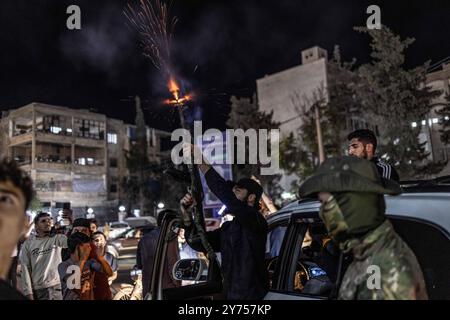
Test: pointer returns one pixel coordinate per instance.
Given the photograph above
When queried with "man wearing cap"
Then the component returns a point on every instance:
(353, 211)
(240, 241)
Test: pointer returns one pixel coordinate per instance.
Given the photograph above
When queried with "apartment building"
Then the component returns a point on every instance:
(76, 157)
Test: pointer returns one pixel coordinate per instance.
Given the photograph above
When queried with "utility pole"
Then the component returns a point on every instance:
(319, 132)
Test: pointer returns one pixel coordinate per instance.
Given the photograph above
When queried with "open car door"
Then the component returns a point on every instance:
(170, 284)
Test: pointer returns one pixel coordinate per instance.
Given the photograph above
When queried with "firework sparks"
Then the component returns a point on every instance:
(152, 22)
(177, 100)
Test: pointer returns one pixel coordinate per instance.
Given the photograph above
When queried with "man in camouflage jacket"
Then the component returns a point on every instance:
(353, 211)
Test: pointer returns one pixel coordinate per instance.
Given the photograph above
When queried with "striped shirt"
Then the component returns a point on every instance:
(385, 170)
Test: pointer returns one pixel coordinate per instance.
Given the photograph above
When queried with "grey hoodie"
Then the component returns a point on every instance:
(39, 259)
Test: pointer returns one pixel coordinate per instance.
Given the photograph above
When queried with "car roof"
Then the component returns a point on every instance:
(432, 207)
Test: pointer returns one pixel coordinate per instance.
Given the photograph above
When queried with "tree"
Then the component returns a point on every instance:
(337, 104)
(245, 114)
(396, 97)
(445, 121)
(142, 185)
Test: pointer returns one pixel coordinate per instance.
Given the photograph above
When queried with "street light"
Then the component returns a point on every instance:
(160, 205)
(90, 213)
(122, 208)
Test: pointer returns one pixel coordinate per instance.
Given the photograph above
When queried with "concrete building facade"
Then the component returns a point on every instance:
(284, 91)
(76, 157)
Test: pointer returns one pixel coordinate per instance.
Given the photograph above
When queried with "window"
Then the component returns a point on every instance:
(113, 163)
(274, 241)
(112, 138)
(55, 130)
(89, 128)
(113, 188)
(314, 262)
(432, 249)
(273, 246)
(56, 124)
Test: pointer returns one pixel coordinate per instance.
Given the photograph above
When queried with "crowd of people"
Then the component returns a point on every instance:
(71, 262)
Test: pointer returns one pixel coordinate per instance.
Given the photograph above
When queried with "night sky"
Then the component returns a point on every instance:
(220, 48)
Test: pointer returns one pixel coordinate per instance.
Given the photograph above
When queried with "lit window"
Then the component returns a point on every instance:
(424, 122)
(414, 124)
(90, 161)
(69, 130)
(82, 161)
(446, 118)
(112, 138)
(55, 130)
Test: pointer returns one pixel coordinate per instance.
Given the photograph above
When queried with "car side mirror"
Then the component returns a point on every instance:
(189, 269)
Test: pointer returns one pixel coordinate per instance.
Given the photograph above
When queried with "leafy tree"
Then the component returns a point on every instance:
(141, 186)
(396, 96)
(245, 114)
(337, 104)
(445, 121)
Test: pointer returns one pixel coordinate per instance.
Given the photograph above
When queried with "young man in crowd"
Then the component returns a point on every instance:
(16, 192)
(78, 272)
(101, 280)
(39, 259)
(93, 226)
(363, 144)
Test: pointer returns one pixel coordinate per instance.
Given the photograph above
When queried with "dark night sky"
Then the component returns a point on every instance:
(228, 43)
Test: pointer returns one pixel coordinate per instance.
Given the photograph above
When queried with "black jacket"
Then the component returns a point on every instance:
(241, 243)
(385, 170)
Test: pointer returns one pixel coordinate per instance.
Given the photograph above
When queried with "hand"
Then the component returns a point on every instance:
(99, 251)
(85, 251)
(186, 204)
(324, 196)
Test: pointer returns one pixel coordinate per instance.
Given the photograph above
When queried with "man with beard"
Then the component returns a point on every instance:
(363, 144)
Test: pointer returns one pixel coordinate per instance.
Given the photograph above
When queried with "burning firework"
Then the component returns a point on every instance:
(155, 30)
(177, 100)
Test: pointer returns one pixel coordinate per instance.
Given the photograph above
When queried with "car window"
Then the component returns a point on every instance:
(316, 259)
(273, 246)
(432, 249)
(274, 241)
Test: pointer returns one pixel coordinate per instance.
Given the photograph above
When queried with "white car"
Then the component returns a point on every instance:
(116, 228)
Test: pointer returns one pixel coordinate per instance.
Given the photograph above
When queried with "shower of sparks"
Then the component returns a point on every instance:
(154, 26)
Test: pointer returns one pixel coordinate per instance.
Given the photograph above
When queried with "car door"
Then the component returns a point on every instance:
(293, 272)
(431, 245)
(163, 286)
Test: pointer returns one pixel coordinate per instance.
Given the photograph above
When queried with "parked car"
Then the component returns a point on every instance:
(116, 228)
(125, 244)
(422, 219)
